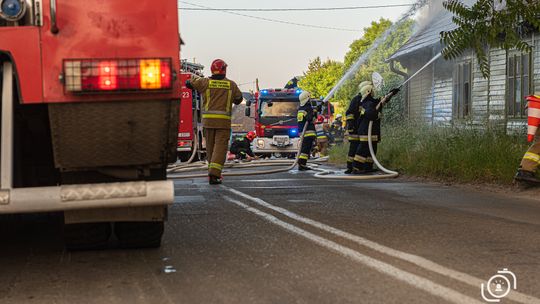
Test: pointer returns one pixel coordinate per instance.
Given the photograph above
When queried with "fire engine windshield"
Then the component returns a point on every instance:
(279, 108)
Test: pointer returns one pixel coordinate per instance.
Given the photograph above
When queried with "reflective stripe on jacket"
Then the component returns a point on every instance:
(219, 95)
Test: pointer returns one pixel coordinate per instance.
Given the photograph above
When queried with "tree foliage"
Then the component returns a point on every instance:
(489, 24)
(321, 77)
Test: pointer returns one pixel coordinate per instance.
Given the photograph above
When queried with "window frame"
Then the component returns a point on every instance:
(462, 82)
(512, 81)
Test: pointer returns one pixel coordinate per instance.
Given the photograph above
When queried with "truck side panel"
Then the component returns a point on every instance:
(22, 45)
(109, 30)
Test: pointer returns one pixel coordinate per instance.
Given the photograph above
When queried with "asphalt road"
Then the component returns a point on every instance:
(291, 238)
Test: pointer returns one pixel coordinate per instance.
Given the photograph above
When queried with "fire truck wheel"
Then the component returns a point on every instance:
(184, 156)
(87, 236)
(139, 234)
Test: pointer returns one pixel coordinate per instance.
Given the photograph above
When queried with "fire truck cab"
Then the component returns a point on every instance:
(275, 121)
(89, 116)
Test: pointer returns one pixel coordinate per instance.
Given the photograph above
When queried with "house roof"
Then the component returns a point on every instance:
(428, 35)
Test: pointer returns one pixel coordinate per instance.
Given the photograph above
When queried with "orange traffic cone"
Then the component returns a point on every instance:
(534, 116)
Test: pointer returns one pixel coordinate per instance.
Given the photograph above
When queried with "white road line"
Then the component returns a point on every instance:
(411, 258)
(396, 273)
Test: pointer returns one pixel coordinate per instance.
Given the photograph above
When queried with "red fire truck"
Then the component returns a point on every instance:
(89, 116)
(275, 121)
(190, 113)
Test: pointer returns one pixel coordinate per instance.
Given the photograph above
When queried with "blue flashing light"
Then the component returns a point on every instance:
(264, 92)
(298, 92)
(293, 132)
(12, 8)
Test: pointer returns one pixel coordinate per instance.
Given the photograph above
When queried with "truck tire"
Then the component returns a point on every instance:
(184, 156)
(87, 236)
(132, 235)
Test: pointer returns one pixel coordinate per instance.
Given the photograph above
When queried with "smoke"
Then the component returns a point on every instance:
(426, 14)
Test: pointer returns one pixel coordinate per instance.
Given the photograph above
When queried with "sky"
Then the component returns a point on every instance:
(274, 52)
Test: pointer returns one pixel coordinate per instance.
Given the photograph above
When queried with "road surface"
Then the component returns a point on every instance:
(291, 238)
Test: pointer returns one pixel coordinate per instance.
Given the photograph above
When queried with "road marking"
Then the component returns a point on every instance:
(398, 274)
(411, 258)
(279, 187)
(274, 180)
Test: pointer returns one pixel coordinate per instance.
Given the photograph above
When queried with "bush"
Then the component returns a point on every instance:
(454, 154)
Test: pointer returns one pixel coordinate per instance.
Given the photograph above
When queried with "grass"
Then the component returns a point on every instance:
(452, 154)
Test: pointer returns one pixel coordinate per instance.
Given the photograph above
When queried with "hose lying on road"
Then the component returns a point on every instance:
(326, 174)
(200, 166)
(321, 173)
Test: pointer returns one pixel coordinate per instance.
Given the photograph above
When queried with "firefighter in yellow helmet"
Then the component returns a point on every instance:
(362, 161)
(352, 116)
(306, 115)
(219, 94)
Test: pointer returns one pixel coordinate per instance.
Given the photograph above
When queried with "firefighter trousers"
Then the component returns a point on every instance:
(354, 142)
(217, 144)
(362, 158)
(531, 160)
(305, 151)
(322, 146)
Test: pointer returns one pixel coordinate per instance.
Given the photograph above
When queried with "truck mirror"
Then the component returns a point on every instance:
(248, 103)
(248, 112)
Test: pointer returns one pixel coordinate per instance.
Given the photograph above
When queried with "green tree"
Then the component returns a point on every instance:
(377, 61)
(489, 24)
(321, 76)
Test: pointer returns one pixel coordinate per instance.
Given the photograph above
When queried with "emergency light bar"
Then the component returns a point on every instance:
(122, 75)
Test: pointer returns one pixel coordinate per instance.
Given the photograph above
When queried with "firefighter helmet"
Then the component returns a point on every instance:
(251, 135)
(366, 90)
(339, 116)
(304, 97)
(219, 67)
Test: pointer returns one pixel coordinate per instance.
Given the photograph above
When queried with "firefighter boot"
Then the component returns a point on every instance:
(214, 180)
(526, 176)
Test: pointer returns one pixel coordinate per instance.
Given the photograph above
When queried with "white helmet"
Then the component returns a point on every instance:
(338, 116)
(304, 97)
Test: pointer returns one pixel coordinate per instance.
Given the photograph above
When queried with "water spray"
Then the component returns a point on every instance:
(354, 68)
(421, 69)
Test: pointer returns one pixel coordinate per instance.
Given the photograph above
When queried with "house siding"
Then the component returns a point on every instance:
(536, 62)
(497, 85)
(420, 96)
(431, 92)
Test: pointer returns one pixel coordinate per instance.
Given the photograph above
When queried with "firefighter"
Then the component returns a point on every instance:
(306, 115)
(531, 159)
(353, 115)
(219, 94)
(241, 148)
(336, 130)
(321, 129)
(362, 161)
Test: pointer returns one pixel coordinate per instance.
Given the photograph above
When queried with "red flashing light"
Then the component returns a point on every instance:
(122, 75)
(108, 73)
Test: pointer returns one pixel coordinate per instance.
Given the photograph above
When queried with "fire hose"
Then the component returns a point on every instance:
(202, 165)
(322, 173)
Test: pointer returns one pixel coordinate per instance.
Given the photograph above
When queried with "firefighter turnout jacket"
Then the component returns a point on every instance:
(219, 93)
(306, 114)
(241, 148)
(369, 113)
(353, 115)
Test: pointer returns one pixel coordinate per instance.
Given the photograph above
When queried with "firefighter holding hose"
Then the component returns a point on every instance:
(352, 116)
(306, 116)
(219, 95)
(370, 112)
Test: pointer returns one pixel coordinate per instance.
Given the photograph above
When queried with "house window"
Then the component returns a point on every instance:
(461, 94)
(519, 84)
